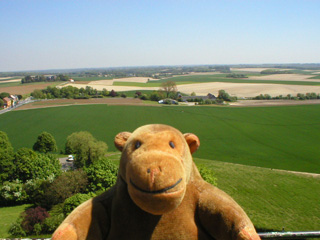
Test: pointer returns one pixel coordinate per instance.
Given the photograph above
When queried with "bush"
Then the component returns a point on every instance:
(36, 189)
(101, 175)
(16, 229)
(72, 202)
(31, 217)
(50, 224)
(207, 174)
(63, 187)
(12, 193)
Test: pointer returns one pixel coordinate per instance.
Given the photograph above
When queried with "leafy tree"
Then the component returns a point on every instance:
(38, 94)
(1, 103)
(86, 148)
(6, 157)
(4, 94)
(101, 174)
(32, 165)
(27, 79)
(169, 87)
(113, 93)
(45, 143)
(155, 96)
(193, 94)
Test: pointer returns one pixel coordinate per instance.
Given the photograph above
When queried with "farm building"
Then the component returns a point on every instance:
(10, 101)
(209, 96)
(7, 102)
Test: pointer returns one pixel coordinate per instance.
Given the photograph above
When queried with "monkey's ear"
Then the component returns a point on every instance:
(193, 141)
(121, 139)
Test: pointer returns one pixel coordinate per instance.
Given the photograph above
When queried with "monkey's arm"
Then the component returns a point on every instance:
(222, 217)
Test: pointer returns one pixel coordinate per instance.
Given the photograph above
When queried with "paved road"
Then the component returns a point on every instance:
(22, 102)
(66, 165)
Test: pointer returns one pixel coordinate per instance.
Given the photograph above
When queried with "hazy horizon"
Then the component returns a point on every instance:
(50, 35)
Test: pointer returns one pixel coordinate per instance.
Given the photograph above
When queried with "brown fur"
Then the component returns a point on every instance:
(159, 194)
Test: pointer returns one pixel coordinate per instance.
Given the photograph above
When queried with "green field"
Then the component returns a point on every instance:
(212, 78)
(274, 137)
(91, 78)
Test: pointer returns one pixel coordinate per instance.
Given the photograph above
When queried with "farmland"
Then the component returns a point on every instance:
(272, 137)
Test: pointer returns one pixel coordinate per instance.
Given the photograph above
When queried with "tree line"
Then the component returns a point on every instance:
(43, 78)
(299, 96)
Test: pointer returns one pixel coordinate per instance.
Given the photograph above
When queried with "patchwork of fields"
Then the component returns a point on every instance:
(274, 137)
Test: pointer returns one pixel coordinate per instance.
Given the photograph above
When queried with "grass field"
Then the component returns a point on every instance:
(274, 137)
(8, 216)
(212, 78)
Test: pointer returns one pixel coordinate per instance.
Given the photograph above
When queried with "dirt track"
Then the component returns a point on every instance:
(68, 102)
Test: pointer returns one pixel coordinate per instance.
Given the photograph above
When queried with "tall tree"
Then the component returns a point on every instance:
(169, 87)
(86, 147)
(45, 143)
(6, 158)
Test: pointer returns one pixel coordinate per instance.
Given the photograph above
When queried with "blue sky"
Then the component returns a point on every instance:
(37, 35)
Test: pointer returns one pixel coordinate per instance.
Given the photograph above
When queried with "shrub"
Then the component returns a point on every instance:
(36, 189)
(16, 229)
(101, 174)
(31, 217)
(63, 187)
(12, 193)
(72, 202)
(208, 175)
(51, 223)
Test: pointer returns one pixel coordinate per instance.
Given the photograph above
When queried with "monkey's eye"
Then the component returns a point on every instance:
(137, 145)
(171, 144)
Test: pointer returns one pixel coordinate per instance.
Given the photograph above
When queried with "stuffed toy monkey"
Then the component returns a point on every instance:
(159, 194)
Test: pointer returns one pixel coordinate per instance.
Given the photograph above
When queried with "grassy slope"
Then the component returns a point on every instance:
(274, 137)
(272, 199)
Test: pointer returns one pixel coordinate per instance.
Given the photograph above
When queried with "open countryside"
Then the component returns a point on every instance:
(257, 149)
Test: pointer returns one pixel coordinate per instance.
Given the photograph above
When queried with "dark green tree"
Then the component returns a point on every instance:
(6, 158)
(45, 143)
(1, 103)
